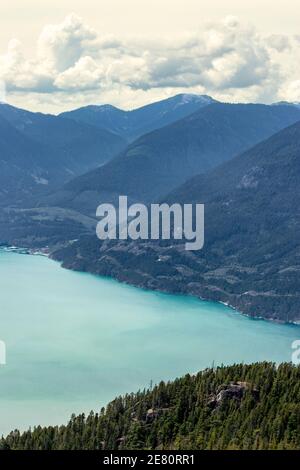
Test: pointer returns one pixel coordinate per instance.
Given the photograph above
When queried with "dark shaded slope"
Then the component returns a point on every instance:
(162, 160)
(48, 150)
(22, 170)
(251, 257)
(79, 144)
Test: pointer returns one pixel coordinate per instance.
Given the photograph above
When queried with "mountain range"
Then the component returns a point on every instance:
(251, 257)
(59, 148)
(132, 124)
(240, 160)
(39, 152)
(162, 160)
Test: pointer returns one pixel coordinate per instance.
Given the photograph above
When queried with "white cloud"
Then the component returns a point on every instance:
(278, 42)
(227, 59)
(290, 91)
(86, 74)
(62, 45)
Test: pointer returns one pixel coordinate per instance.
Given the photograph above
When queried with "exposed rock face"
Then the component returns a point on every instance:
(152, 414)
(232, 391)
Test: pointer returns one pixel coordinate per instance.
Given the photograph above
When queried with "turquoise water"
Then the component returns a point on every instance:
(75, 341)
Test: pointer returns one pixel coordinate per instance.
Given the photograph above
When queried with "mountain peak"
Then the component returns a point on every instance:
(287, 103)
(192, 99)
(136, 122)
(188, 97)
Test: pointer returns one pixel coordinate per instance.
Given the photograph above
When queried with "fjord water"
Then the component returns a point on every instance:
(75, 341)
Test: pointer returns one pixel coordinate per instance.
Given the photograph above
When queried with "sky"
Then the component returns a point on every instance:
(62, 54)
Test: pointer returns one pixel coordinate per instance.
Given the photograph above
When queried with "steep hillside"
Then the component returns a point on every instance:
(251, 257)
(22, 169)
(162, 160)
(48, 150)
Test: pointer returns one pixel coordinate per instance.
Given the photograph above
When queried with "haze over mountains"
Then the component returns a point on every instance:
(162, 160)
(60, 148)
(240, 160)
(251, 257)
(133, 124)
(18, 155)
(39, 152)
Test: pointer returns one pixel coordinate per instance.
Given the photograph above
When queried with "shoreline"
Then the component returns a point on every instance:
(47, 254)
(25, 251)
(174, 292)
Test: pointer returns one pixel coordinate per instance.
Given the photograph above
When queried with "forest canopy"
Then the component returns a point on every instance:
(241, 406)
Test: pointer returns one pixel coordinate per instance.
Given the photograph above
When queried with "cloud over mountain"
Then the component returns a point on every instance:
(227, 59)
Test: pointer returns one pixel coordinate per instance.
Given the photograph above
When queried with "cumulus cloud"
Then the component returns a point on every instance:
(278, 42)
(290, 91)
(86, 74)
(20, 74)
(62, 45)
(227, 59)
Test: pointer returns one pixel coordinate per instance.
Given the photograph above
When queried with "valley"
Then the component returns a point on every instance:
(250, 190)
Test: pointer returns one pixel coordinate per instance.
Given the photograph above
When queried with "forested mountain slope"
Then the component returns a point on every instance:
(236, 407)
(251, 255)
(40, 152)
(162, 160)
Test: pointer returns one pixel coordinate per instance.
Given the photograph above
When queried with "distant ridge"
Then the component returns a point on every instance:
(39, 152)
(163, 159)
(134, 123)
(286, 103)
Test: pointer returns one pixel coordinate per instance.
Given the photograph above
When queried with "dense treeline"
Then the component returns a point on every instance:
(237, 407)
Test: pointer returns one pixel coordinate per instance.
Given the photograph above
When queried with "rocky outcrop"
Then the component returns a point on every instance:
(232, 391)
